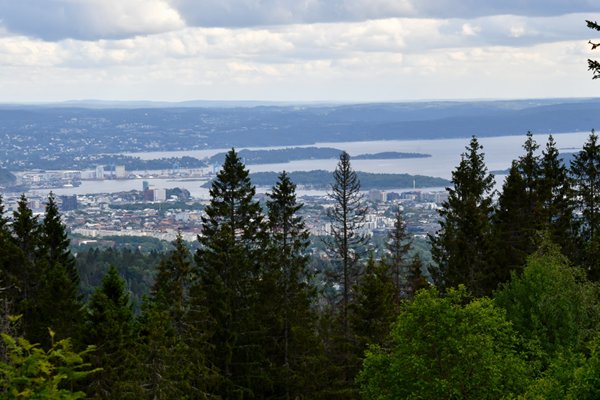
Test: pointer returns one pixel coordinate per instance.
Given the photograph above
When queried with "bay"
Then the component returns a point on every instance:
(445, 156)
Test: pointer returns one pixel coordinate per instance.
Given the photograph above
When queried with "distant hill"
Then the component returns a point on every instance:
(7, 178)
(81, 132)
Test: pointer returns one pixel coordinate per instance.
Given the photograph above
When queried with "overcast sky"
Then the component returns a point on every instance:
(295, 50)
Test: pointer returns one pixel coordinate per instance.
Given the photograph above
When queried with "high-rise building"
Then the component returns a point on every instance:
(100, 172)
(160, 194)
(120, 172)
(68, 203)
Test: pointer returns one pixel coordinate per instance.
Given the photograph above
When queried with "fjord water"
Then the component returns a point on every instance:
(445, 156)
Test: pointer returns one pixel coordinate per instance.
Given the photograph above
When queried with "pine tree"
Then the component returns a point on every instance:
(398, 245)
(231, 271)
(291, 296)
(109, 326)
(585, 170)
(462, 246)
(346, 242)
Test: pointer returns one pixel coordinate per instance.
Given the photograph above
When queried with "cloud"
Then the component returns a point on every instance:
(53, 20)
(249, 13)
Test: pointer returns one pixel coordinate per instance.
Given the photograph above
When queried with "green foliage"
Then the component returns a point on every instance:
(551, 304)
(462, 246)
(33, 373)
(231, 261)
(398, 245)
(585, 170)
(446, 347)
(109, 326)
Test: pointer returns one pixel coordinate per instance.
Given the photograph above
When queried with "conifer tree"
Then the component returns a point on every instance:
(416, 279)
(25, 236)
(373, 309)
(231, 271)
(293, 320)
(346, 242)
(171, 346)
(109, 326)
(398, 245)
(513, 230)
(585, 171)
(556, 197)
(59, 301)
(462, 246)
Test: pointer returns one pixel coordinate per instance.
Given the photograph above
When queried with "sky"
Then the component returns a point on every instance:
(295, 50)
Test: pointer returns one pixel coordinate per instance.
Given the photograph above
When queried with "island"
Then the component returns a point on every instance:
(275, 156)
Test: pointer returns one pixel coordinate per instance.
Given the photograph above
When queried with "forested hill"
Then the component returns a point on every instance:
(179, 127)
(321, 180)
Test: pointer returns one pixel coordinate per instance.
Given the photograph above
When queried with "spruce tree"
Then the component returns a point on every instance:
(556, 197)
(27, 273)
(513, 232)
(416, 279)
(231, 272)
(398, 245)
(58, 299)
(170, 342)
(585, 171)
(109, 326)
(462, 246)
(373, 309)
(293, 322)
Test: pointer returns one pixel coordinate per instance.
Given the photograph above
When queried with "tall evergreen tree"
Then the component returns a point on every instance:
(231, 264)
(398, 245)
(462, 246)
(25, 236)
(347, 217)
(58, 299)
(293, 323)
(585, 171)
(556, 197)
(109, 326)
(171, 343)
(513, 232)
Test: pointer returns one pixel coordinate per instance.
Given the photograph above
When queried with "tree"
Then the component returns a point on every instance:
(446, 347)
(173, 281)
(556, 197)
(398, 245)
(171, 339)
(33, 373)
(373, 309)
(231, 264)
(293, 322)
(462, 246)
(416, 280)
(585, 171)
(347, 217)
(594, 65)
(514, 234)
(58, 299)
(552, 304)
(109, 326)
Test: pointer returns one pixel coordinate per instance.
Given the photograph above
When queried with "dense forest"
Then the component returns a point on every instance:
(512, 309)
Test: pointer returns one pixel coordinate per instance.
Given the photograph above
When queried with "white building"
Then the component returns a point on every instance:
(120, 172)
